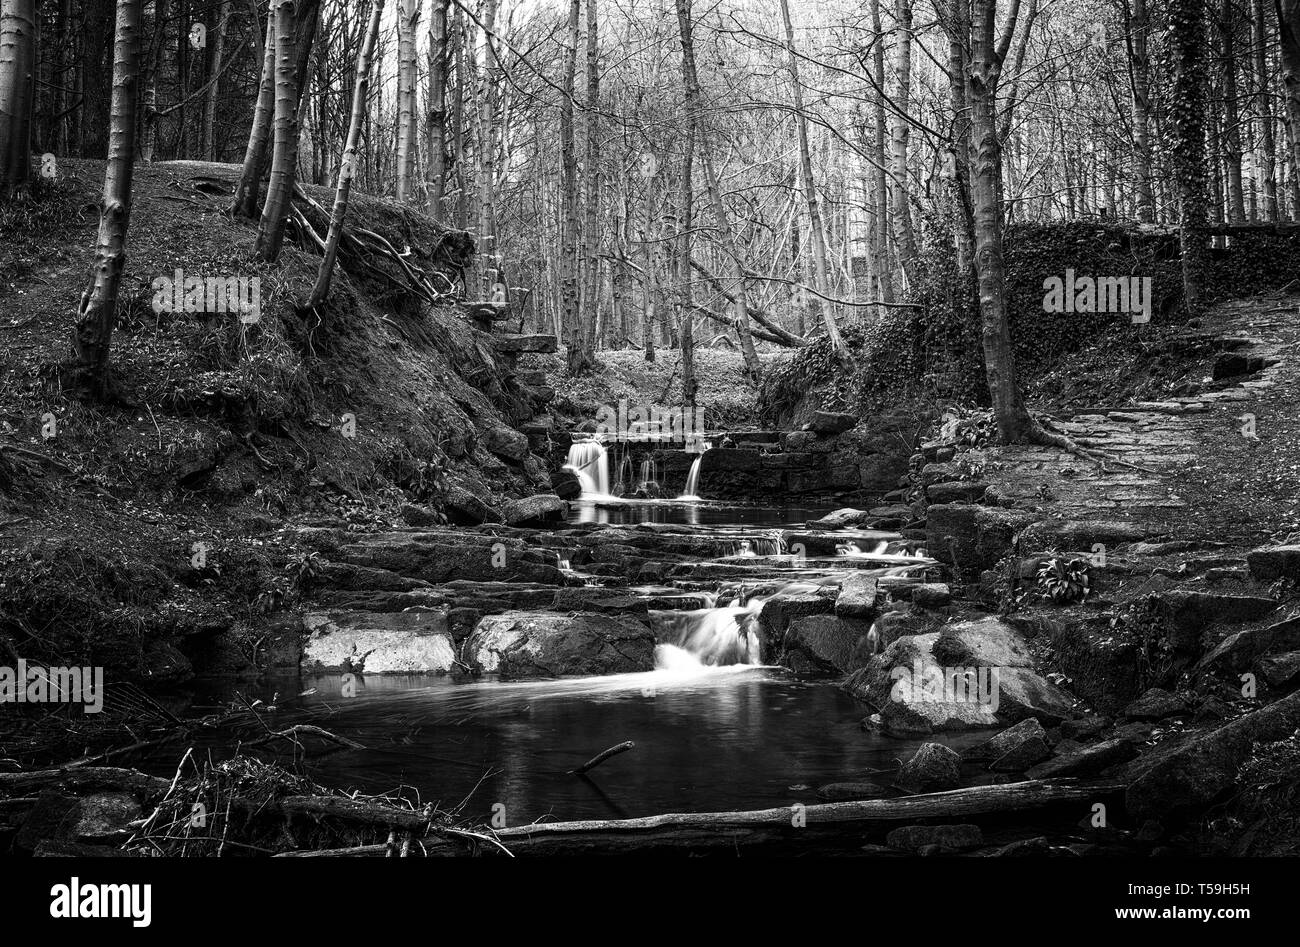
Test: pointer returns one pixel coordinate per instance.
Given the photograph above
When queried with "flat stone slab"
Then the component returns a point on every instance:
(544, 344)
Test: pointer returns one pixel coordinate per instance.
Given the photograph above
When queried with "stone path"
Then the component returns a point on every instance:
(1168, 439)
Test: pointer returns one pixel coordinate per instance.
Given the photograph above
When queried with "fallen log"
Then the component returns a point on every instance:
(791, 824)
(353, 810)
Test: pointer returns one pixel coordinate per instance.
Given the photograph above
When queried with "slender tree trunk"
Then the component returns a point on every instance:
(809, 188)
(649, 290)
(722, 218)
(686, 220)
(347, 167)
(1264, 112)
(486, 147)
(1185, 19)
(247, 194)
(982, 77)
(217, 43)
(591, 196)
(1140, 66)
(900, 131)
(1288, 19)
(571, 317)
(408, 15)
(879, 183)
(1231, 137)
(94, 328)
(17, 63)
(436, 123)
(284, 158)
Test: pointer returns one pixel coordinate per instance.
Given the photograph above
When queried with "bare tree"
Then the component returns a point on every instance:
(408, 15)
(348, 166)
(94, 327)
(436, 119)
(816, 235)
(17, 93)
(247, 193)
(284, 157)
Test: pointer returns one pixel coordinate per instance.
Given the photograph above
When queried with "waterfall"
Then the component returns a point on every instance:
(588, 460)
(648, 473)
(693, 481)
(710, 636)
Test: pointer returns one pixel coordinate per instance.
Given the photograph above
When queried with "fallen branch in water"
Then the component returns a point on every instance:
(791, 824)
(305, 729)
(601, 757)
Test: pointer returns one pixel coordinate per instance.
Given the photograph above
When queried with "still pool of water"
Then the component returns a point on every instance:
(707, 739)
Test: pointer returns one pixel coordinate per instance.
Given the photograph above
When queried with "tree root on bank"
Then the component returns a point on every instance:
(364, 249)
(1037, 433)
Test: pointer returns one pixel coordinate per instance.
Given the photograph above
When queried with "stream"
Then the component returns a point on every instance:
(713, 728)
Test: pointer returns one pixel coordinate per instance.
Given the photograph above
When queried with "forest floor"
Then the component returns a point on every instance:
(725, 395)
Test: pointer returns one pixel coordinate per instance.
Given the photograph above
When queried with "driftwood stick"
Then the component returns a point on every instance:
(789, 823)
(601, 757)
(306, 729)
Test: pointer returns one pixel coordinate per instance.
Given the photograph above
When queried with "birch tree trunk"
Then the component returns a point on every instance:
(900, 131)
(686, 220)
(591, 197)
(408, 14)
(247, 194)
(885, 284)
(17, 64)
(284, 158)
(571, 317)
(347, 167)
(93, 333)
(486, 148)
(436, 120)
(1288, 20)
(809, 188)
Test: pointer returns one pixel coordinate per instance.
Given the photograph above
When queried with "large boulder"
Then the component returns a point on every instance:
(538, 644)
(946, 838)
(1239, 651)
(933, 767)
(830, 422)
(444, 556)
(1179, 784)
(505, 441)
(1274, 562)
(410, 642)
(1086, 761)
(971, 538)
(535, 510)
(858, 597)
(827, 644)
(464, 507)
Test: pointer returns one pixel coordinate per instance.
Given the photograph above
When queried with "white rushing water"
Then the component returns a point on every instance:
(590, 463)
(693, 481)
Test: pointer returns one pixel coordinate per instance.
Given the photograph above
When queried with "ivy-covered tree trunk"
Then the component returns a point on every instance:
(900, 133)
(436, 121)
(1187, 105)
(94, 328)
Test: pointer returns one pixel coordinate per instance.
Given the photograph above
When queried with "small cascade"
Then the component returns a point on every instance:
(590, 463)
(648, 473)
(693, 481)
(744, 550)
(853, 549)
(711, 636)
